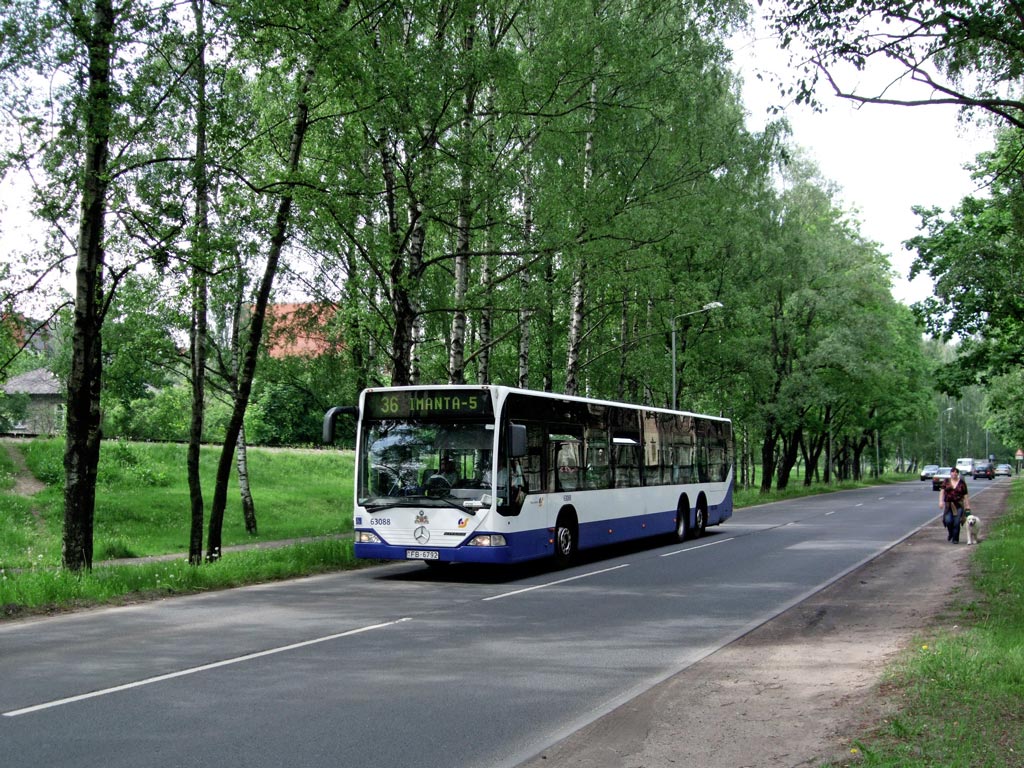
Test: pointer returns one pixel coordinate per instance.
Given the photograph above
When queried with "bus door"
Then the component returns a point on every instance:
(566, 466)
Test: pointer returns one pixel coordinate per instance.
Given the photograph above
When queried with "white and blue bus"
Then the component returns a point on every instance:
(492, 474)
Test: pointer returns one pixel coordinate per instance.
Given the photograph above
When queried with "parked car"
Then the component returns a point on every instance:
(984, 469)
(941, 476)
(928, 471)
(1004, 470)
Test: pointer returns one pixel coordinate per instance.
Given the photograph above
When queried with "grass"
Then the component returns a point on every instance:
(142, 505)
(142, 509)
(960, 692)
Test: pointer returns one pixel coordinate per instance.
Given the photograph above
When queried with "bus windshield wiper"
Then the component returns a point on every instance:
(376, 505)
(405, 501)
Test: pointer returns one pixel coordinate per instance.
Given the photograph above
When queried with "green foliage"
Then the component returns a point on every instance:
(142, 501)
(164, 415)
(121, 464)
(45, 459)
(974, 256)
(46, 588)
(16, 530)
(962, 52)
(13, 409)
(291, 396)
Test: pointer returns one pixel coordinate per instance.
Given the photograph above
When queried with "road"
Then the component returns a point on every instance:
(400, 665)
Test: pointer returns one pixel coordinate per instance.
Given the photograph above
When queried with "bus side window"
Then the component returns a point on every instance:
(597, 460)
(530, 464)
(567, 466)
(627, 464)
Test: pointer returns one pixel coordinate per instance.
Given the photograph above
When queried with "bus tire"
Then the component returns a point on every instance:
(566, 538)
(682, 531)
(700, 524)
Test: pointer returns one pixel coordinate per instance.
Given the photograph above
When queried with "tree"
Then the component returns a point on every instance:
(198, 322)
(974, 256)
(248, 367)
(963, 53)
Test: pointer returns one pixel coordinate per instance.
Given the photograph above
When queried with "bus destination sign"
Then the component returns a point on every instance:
(427, 403)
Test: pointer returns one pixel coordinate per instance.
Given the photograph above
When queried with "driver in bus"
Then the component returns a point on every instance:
(517, 480)
(448, 472)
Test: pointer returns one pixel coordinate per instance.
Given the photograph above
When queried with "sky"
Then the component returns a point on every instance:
(885, 159)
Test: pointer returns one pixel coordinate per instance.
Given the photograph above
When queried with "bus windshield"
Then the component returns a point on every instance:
(428, 462)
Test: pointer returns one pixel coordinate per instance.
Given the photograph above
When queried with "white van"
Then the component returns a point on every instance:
(965, 467)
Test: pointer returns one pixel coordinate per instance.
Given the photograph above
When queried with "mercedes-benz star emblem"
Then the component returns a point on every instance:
(421, 534)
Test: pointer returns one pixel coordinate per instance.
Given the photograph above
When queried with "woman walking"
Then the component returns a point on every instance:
(955, 504)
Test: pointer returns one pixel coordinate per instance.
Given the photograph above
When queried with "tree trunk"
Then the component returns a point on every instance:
(548, 378)
(525, 313)
(790, 447)
(457, 348)
(248, 506)
(577, 290)
(82, 446)
(248, 368)
(406, 271)
(199, 330)
(768, 444)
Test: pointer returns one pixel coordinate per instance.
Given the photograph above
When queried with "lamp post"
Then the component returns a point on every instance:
(706, 308)
(942, 449)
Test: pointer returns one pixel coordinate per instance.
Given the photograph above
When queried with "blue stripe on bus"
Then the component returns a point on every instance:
(527, 545)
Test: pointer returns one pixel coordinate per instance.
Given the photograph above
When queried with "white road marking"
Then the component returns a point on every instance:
(699, 546)
(554, 583)
(194, 670)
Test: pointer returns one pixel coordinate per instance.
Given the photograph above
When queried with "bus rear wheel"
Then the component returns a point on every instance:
(682, 532)
(700, 524)
(566, 542)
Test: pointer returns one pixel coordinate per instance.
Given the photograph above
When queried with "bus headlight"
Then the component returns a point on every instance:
(367, 537)
(487, 540)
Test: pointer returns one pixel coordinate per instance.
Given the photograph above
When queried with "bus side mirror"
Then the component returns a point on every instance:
(516, 440)
(332, 416)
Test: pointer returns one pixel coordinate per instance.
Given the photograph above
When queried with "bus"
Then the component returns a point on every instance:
(494, 474)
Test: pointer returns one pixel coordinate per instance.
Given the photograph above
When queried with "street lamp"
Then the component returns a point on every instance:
(942, 449)
(706, 308)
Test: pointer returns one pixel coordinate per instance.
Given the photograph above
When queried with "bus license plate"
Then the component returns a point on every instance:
(421, 554)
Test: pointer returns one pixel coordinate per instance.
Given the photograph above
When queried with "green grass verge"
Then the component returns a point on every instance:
(142, 509)
(142, 502)
(960, 692)
(50, 589)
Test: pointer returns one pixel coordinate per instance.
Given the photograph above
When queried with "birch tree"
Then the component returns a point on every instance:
(81, 138)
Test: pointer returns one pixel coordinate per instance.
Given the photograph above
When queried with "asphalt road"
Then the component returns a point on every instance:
(400, 665)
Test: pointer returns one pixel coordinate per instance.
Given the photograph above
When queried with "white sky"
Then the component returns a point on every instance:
(885, 159)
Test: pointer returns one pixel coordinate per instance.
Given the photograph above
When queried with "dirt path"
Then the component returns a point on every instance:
(799, 689)
(25, 483)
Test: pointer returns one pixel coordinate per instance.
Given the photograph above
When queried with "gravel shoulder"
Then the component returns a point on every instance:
(800, 688)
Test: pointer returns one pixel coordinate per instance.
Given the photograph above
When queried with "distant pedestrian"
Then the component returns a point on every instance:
(955, 504)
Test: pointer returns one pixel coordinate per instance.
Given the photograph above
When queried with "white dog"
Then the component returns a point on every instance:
(973, 524)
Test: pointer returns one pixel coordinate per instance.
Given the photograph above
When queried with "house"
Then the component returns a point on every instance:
(299, 330)
(45, 412)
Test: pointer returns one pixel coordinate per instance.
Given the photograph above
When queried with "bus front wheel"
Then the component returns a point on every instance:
(566, 542)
